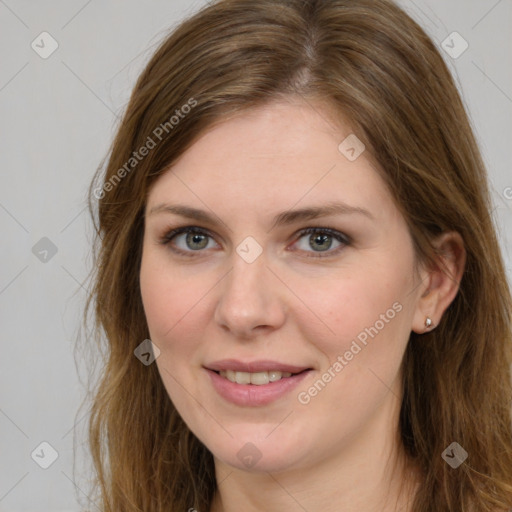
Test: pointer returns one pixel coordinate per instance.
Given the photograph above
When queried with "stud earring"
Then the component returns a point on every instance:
(428, 322)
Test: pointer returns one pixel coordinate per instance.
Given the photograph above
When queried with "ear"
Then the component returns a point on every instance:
(441, 283)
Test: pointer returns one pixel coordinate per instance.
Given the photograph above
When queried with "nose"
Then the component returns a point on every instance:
(252, 299)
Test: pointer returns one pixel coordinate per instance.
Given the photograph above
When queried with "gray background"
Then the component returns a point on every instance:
(58, 117)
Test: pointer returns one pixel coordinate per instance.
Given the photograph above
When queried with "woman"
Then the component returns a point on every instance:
(289, 216)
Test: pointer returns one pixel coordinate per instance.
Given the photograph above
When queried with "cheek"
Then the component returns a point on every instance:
(370, 319)
(362, 358)
(172, 304)
(173, 309)
(354, 306)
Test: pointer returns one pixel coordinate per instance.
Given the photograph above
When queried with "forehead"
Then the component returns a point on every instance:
(281, 153)
(277, 130)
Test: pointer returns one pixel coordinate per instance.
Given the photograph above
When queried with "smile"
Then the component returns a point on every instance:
(254, 389)
(257, 378)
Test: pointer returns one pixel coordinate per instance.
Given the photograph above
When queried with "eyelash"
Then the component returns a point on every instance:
(340, 237)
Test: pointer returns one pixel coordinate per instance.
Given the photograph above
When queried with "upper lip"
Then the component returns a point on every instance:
(254, 366)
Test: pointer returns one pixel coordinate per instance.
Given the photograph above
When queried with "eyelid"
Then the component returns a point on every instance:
(341, 237)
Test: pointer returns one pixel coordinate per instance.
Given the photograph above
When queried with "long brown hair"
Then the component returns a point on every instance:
(375, 66)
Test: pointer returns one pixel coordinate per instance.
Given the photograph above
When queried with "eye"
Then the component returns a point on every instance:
(193, 240)
(322, 239)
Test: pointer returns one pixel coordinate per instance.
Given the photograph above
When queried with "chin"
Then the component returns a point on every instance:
(277, 463)
(247, 453)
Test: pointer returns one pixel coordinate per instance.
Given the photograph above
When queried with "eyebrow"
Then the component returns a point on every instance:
(283, 218)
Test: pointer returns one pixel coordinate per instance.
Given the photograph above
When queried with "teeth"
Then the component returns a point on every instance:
(258, 378)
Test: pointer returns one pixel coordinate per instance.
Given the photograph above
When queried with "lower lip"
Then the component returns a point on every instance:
(252, 395)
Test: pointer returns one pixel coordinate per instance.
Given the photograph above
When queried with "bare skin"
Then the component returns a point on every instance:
(302, 301)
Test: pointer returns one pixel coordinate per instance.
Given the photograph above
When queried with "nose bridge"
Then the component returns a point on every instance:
(249, 297)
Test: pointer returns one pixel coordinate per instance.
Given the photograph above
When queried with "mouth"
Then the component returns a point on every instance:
(255, 383)
(256, 378)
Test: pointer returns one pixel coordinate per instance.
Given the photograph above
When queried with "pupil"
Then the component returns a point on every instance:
(322, 239)
(194, 238)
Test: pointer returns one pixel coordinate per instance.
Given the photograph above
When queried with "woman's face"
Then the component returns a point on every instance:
(244, 289)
